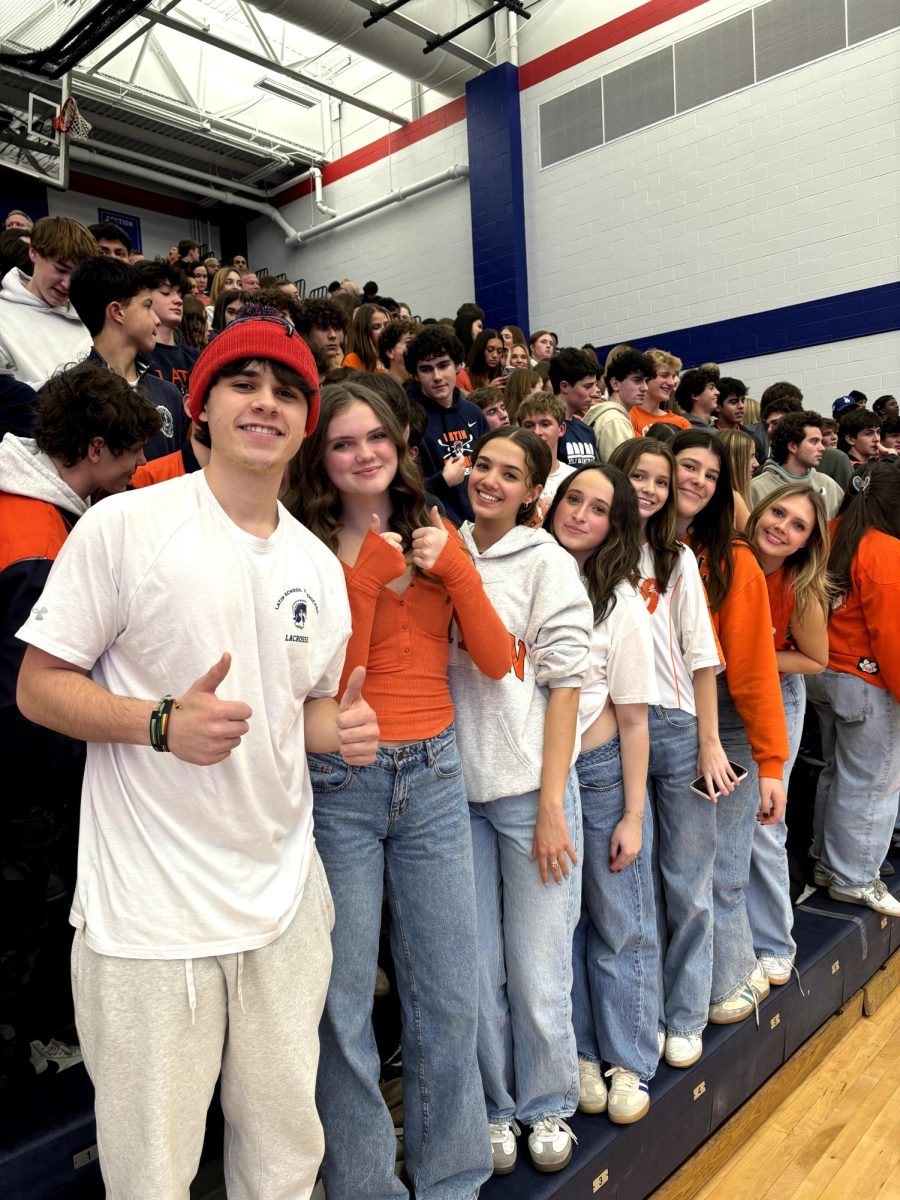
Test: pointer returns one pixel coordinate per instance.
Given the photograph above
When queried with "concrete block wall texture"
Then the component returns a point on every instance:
(777, 195)
(159, 230)
(419, 250)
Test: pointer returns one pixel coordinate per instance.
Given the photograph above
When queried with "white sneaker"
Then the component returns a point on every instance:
(683, 1050)
(550, 1144)
(629, 1098)
(503, 1145)
(822, 877)
(778, 968)
(661, 1041)
(759, 981)
(872, 895)
(591, 1088)
(56, 1052)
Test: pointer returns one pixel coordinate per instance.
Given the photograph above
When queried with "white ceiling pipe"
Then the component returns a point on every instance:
(315, 175)
(203, 176)
(455, 172)
(186, 185)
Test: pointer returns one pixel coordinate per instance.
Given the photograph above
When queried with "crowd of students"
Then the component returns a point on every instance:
(546, 629)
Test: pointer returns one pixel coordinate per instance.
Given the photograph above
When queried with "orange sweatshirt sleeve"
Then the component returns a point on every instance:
(485, 636)
(876, 575)
(744, 629)
(376, 565)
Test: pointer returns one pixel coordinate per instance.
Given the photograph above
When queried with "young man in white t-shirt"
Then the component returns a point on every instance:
(202, 910)
(545, 416)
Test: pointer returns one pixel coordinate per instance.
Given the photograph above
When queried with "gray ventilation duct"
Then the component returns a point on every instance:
(389, 44)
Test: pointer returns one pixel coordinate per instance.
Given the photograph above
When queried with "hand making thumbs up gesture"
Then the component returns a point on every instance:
(204, 729)
(428, 542)
(357, 725)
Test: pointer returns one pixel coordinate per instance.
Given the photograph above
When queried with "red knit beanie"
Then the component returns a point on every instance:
(261, 338)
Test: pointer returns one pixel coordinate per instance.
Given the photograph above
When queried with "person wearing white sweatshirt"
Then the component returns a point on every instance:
(517, 741)
(40, 331)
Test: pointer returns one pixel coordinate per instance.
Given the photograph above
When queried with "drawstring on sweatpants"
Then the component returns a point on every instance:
(191, 990)
(240, 981)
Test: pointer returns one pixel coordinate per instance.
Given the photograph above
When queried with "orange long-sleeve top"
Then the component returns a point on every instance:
(862, 630)
(354, 361)
(403, 639)
(641, 420)
(743, 625)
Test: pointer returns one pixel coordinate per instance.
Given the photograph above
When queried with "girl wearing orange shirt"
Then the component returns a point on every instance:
(752, 727)
(403, 820)
(362, 346)
(789, 531)
(857, 699)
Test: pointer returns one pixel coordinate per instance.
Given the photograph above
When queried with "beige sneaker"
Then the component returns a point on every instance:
(591, 1087)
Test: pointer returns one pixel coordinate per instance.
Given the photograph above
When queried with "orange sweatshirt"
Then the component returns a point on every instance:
(641, 421)
(356, 363)
(862, 631)
(170, 466)
(403, 640)
(743, 626)
(781, 606)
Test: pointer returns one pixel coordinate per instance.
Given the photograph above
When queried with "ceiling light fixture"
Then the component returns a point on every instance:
(286, 93)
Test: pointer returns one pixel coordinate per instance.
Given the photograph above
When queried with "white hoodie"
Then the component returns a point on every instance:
(35, 339)
(536, 590)
(27, 471)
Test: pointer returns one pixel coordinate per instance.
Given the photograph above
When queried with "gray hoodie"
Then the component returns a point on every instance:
(27, 471)
(535, 587)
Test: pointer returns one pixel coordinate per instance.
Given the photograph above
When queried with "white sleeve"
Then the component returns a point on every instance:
(80, 612)
(690, 615)
(631, 673)
(339, 621)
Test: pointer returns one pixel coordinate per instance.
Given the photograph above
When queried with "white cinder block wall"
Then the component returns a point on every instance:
(159, 231)
(780, 194)
(419, 250)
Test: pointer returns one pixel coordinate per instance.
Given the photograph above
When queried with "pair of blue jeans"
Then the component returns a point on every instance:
(526, 1044)
(402, 821)
(856, 797)
(615, 952)
(768, 891)
(684, 852)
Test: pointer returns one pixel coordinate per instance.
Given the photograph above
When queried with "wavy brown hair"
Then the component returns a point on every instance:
(360, 341)
(314, 500)
(618, 557)
(660, 528)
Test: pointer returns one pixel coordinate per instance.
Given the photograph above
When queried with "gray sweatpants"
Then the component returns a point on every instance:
(156, 1033)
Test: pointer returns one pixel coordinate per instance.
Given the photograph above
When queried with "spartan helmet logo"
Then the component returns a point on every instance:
(299, 613)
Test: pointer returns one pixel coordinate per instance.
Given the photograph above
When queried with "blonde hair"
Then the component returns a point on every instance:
(662, 358)
(542, 404)
(519, 385)
(218, 283)
(63, 239)
(739, 446)
(807, 568)
(751, 411)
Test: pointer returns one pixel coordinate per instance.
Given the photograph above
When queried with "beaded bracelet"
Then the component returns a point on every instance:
(159, 724)
(629, 812)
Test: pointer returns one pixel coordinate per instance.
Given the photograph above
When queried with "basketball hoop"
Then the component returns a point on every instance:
(70, 121)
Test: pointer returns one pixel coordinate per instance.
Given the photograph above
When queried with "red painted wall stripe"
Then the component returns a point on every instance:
(604, 37)
(126, 193)
(383, 147)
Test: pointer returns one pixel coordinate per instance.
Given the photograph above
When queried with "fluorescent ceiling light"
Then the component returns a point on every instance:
(286, 93)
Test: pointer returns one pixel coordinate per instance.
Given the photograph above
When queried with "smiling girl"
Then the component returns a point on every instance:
(684, 745)
(751, 715)
(789, 532)
(404, 820)
(616, 950)
(517, 740)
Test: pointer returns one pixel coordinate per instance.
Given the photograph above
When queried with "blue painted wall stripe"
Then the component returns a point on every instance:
(497, 196)
(813, 323)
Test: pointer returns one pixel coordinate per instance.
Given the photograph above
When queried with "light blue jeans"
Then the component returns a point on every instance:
(526, 1044)
(685, 850)
(768, 891)
(615, 952)
(856, 798)
(403, 820)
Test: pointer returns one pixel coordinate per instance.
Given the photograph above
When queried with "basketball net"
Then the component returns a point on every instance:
(70, 121)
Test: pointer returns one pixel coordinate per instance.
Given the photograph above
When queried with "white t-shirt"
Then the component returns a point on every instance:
(151, 587)
(683, 637)
(622, 667)
(551, 487)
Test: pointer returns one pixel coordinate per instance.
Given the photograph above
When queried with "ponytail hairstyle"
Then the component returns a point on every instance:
(806, 570)
(618, 557)
(660, 529)
(538, 460)
(313, 499)
(360, 342)
(712, 531)
(875, 504)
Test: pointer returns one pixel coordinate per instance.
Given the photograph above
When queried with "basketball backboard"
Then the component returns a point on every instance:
(29, 141)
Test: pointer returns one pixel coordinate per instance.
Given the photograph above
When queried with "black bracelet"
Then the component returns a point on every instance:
(159, 724)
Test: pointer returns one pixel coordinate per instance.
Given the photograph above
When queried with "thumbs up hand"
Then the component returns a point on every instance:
(428, 542)
(392, 539)
(357, 725)
(204, 729)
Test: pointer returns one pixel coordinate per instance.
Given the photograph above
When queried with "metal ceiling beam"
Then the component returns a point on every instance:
(251, 19)
(168, 69)
(132, 37)
(426, 34)
(213, 158)
(273, 65)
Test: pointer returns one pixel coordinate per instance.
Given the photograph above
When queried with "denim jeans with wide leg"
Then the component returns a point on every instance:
(526, 1044)
(856, 798)
(615, 952)
(685, 839)
(768, 892)
(734, 958)
(404, 819)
